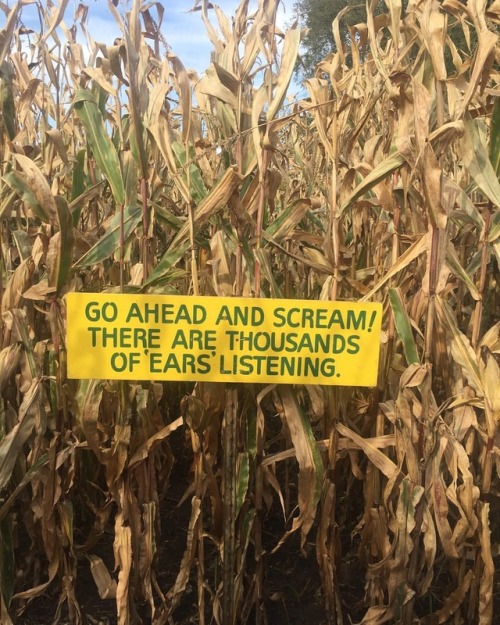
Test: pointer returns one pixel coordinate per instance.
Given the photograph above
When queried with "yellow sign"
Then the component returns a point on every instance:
(222, 339)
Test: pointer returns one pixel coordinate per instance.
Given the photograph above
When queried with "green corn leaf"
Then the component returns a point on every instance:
(78, 183)
(7, 106)
(100, 143)
(251, 430)
(288, 219)
(60, 252)
(130, 177)
(381, 171)
(456, 267)
(403, 326)
(495, 138)
(197, 186)
(495, 227)
(242, 480)
(18, 183)
(169, 259)
(26, 479)
(477, 162)
(109, 243)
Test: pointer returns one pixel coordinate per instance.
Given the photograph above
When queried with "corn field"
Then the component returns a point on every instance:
(124, 171)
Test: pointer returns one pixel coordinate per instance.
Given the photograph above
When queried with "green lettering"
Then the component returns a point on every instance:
(321, 320)
(336, 318)
(293, 311)
(153, 338)
(328, 367)
(246, 367)
(203, 363)
(172, 363)
(281, 319)
(272, 365)
(308, 315)
(154, 362)
(305, 342)
(353, 343)
(241, 315)
(224, 315)
(91, 313)
(93, 333)
(118, 362)
(196, 337)
(180, 340)
(183, 314)
(134, 313)
(188, 360)
(338, 344)
(199, 314)
(354, 321)
(210, 339)
(167, 311)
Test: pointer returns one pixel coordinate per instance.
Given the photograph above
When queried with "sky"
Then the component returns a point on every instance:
(184, 30)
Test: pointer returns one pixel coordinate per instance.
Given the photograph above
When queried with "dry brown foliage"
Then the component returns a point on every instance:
(123, 170)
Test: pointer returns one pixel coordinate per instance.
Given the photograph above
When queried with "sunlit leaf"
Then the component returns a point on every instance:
(109, 242)
(100, 143)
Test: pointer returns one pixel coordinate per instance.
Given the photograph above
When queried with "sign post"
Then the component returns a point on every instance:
(222, 339)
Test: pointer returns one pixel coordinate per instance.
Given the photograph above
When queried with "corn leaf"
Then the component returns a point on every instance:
(477, 162)
(109, 243)
(101, 145)
(403, 326)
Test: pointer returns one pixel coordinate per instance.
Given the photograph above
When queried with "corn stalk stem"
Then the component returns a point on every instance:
(431, 306)
(333, 207)
(229, 489)
(260, 218)
(478, 310)
(198, 464)
(259, 568)
(194, 264)
(145, 228)
(122, 249)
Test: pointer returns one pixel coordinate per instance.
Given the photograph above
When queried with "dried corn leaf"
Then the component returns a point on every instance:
(17, 284)
(454, 600)
(413, 252)
(489, 373)
(106, 585)
(177, 590)
(310, 463)
(142, 452)
(488, 568)
(122, 548)
(460, 347)
(12, 444)
(216, 200)
(38, 185)
(433, 24)
(9, 361)
(381, 461)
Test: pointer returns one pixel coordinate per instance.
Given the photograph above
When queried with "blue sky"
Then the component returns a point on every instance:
(183, 30)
